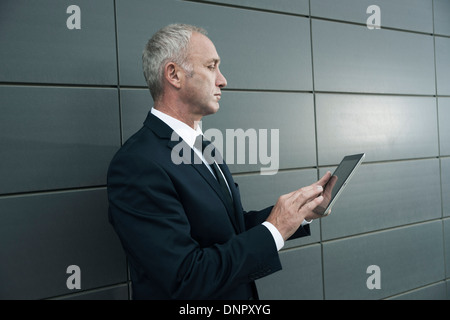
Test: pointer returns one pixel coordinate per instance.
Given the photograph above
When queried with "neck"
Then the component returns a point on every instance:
(178, 113)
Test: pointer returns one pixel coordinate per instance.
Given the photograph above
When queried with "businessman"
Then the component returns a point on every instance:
(182, 225)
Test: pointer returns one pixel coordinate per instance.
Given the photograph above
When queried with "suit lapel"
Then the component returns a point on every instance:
(207, 175)
(238, 212)
(182, 153)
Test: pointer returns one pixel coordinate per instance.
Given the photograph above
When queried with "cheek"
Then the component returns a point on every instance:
(197, 92)
(201, 86)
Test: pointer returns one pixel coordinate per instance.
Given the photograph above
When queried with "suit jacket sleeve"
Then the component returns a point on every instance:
(146, 212)
(254, 218)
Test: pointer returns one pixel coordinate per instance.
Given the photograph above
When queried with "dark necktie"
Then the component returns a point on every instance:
(209, 154)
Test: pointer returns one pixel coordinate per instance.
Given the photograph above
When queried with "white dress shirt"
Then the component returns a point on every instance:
(189, 135)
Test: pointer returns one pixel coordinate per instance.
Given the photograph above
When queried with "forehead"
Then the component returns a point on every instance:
(201, 47)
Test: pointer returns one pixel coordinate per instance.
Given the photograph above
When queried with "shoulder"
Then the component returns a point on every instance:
(141, 150)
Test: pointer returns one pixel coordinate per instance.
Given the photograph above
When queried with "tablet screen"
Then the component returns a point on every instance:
(338, 181)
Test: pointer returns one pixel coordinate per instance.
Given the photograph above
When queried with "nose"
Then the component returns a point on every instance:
(221, 82)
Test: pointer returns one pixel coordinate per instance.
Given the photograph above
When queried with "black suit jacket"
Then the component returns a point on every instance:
(180, 238)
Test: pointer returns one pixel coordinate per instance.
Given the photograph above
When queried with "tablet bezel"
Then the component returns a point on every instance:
(359, 157)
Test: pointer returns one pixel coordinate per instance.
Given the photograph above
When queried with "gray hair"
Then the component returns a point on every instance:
(169, 44)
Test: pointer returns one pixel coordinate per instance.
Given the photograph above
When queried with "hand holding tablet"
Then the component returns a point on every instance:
(334, 187)
(313, 201)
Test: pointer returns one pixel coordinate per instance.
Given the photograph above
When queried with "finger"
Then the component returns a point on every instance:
(324, 179)
(330, 186)
(324, 214)
(332, 182)
(309, 192)
(314, 203)
(293, 193)
(306, 194)
(291, 196)
(297, 193)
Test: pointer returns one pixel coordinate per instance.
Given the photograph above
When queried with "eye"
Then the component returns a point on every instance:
(212, 67)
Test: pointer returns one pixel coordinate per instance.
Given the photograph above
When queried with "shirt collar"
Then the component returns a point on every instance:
(182, 129)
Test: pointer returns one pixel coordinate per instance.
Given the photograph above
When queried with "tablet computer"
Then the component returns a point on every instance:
(340, 178)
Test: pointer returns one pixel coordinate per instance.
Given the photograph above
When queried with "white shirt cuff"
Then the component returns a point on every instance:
(275, 234)
(279, 241)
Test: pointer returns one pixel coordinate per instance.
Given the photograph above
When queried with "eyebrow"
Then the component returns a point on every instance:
(215, 60)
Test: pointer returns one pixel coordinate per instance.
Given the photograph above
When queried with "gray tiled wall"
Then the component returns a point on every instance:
(414, 15)
(445, 172)
(384, 127)
(444, 128)
(370, 202)
(269, 112)
(441, 21)
(443, 65)
(56, 137)
(310, 69)
(402, 264)
(43, 234)
(352, 58)
(262, 64)
(37, 46)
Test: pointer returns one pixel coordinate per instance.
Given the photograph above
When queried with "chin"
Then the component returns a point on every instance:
(212, 109)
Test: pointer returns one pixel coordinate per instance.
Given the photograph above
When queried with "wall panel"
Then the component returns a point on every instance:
(441, 20)
(444, 128)
(446, 228)
(300, 279)
(384, 127)
(135, 105)
(443, 65)
(260, 65)
(41, 235)
(436, 291)
(56, 137)
(445, 180)
(352, 58)
(288, 115)
(36, 46)
(416, 15)
(118, 292)
(287, 6)
(385, 195)
(394, 251)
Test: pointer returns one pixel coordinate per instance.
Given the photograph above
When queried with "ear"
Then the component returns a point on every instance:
(173, 74)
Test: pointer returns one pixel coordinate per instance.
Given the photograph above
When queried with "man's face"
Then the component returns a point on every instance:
(202, 88)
